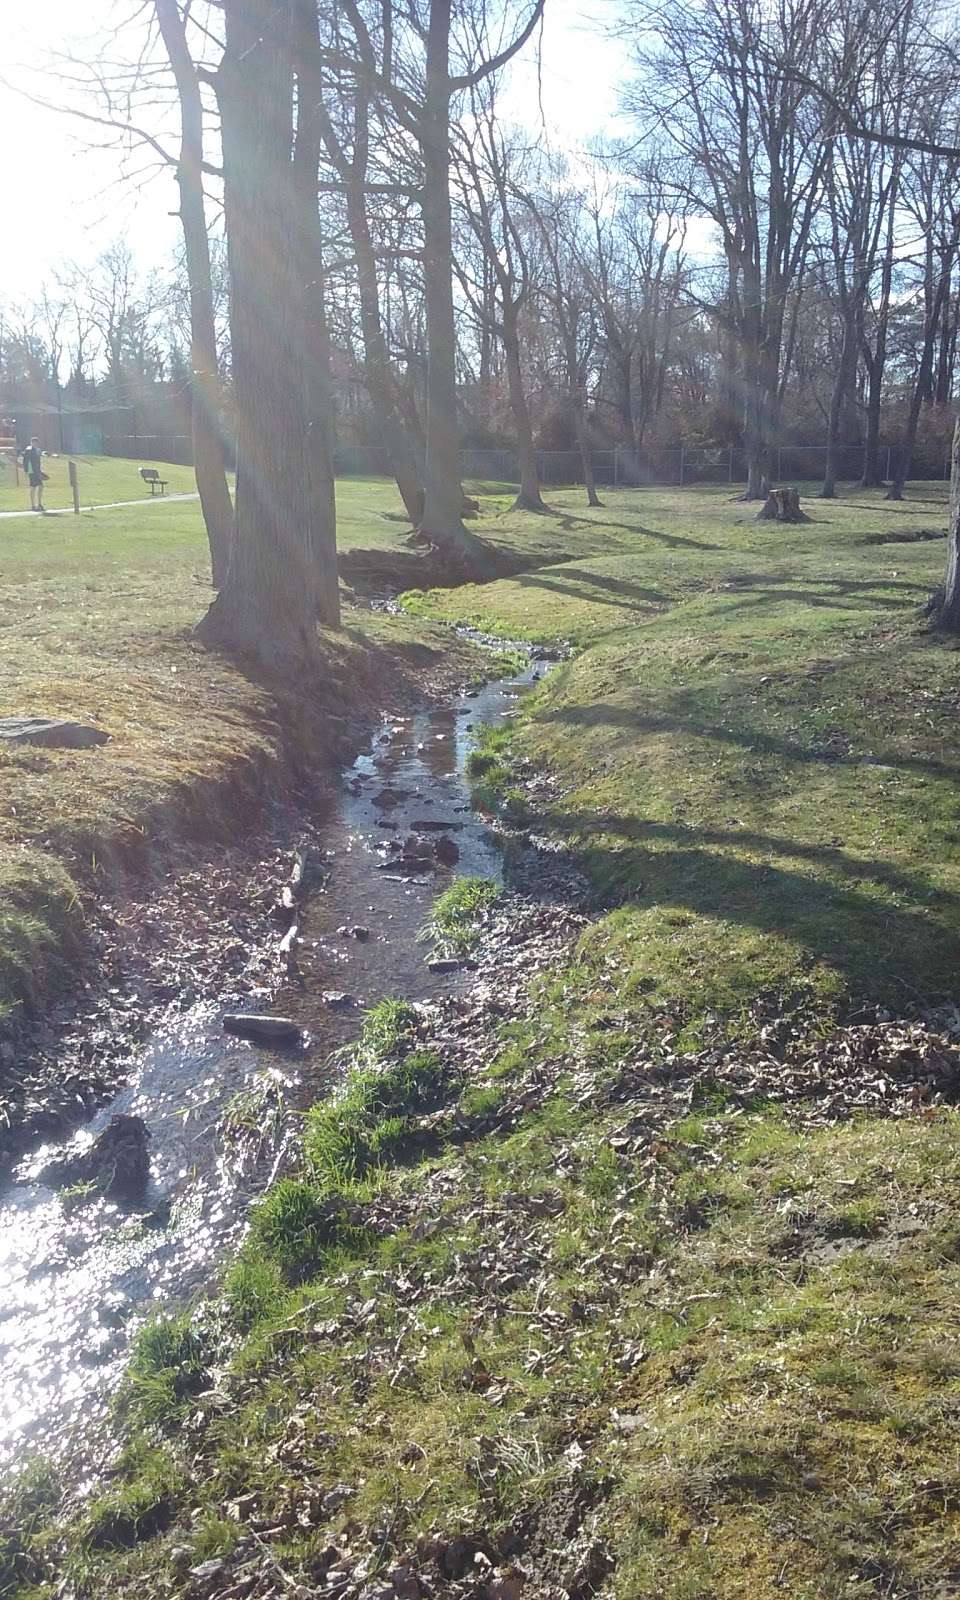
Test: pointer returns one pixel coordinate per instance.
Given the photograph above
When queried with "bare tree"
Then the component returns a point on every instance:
(491, 193)
(573, 311)
(282, 573)
(205, 412)
(750, 152)
(409, 58)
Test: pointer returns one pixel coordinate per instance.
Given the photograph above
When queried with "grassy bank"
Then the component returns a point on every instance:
(97, 619)
(753, 748)
(634, 1271)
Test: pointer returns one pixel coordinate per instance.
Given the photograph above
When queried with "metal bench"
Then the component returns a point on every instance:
(151, 475)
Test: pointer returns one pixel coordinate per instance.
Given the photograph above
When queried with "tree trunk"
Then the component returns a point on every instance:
(268, 605)
(754, 432)
(841, 385)
(443, 496)
(948, 612)
(529, 498)
(209, 455)
(872, 476)
(586, 454)
(379, 378)
(921, 389)
(320, 523)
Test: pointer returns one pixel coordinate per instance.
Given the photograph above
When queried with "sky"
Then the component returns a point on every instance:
(69, 201)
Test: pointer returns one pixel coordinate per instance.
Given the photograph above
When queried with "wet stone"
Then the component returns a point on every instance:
(388, 798)
(116, 1163)
(446, 852)
(338, 1001)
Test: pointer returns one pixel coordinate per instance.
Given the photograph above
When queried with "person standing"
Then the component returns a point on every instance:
(35, 474)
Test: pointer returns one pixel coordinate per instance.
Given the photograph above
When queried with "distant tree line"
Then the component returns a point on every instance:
(769, 255)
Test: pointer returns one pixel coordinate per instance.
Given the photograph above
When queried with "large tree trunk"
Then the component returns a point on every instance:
(755, 430)
(529, 498)
(209, 455)
(443, 496)
(948, 611)
(320, 529)
(275, 587)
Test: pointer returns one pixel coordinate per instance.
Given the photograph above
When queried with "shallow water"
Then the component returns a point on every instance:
(74, 1283)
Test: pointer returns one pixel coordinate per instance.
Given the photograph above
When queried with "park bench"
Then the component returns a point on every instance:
(151, 475)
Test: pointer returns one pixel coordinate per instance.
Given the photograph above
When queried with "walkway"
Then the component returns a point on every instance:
(109, 505)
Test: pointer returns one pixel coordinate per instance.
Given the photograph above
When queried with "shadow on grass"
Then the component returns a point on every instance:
(580, 586)
(569, 522)
(752, 739)
(881, 949)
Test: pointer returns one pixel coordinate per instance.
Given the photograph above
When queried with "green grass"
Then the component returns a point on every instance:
(516, 1303)
(755, 1360)
(752, 749)
(453, 925)
(101, 480)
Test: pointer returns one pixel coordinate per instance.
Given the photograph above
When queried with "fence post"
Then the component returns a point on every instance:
(616, 466)
(681, 465)
(75, 486)
(730, 463)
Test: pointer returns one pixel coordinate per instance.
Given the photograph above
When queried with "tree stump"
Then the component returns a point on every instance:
(782, 505)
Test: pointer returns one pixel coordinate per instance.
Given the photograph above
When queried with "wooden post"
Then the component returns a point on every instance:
(74, 485)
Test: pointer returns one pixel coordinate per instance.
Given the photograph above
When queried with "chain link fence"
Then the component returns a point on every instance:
(679, 465)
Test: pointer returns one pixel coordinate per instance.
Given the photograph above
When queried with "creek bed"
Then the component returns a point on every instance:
(76, 1278)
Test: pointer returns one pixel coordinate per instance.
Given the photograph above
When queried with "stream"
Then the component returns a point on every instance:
(77, 1279)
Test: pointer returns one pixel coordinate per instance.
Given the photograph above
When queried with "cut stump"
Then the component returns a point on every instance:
(782, 505)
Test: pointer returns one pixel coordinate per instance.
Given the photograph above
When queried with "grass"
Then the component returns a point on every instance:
(507, 1306)
(453, 925)
(96, 626)
(752, 749)
(743, 1362)
(101, 479)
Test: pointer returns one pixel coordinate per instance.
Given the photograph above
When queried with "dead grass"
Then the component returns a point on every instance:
(96, 616)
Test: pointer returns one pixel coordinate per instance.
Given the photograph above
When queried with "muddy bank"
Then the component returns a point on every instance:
(79, 1272)
(181, 907)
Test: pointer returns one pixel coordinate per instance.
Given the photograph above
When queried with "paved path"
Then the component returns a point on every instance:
(108, 505)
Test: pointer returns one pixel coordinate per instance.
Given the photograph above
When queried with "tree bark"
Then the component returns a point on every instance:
(209, 455)
(586, 454)
(948, 612)
(268, 606)
(921, 389)
(443, 496)
(320, 524)
(529, 498)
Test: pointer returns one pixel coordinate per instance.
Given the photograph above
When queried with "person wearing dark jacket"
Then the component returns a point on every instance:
(36, 476)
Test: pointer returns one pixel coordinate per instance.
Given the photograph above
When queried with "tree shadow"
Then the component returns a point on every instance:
(569, 522)
(869, 940)
(581, 586)
(843, 597)
(755, 740)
